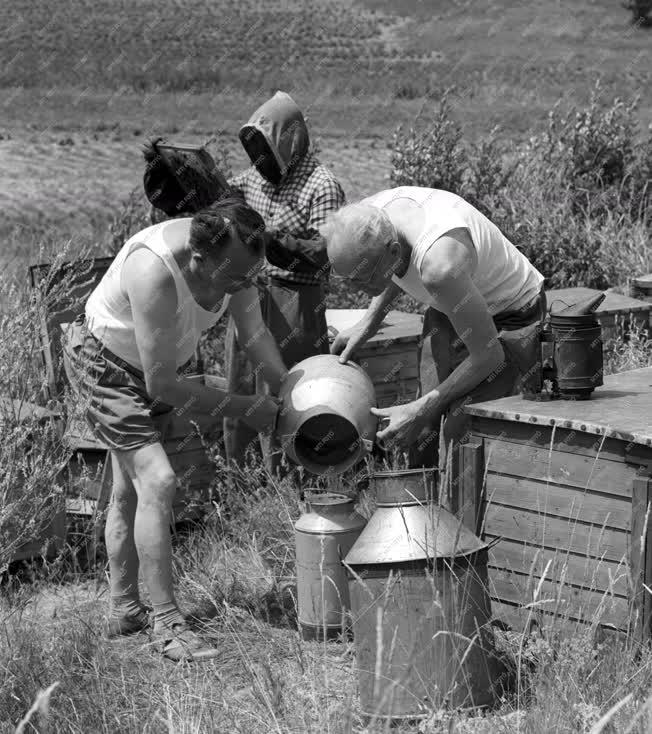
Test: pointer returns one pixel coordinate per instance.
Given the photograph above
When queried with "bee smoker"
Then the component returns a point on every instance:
(572, 363)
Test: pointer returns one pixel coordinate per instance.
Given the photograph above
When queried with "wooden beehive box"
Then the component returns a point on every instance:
(616, 314)
(390, 356)
(52, 535)
(641, 288)
(562, 488)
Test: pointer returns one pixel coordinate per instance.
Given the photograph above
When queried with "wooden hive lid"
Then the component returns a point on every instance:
(613, 302)
(643, 281)
(397, 327)
(620, 409)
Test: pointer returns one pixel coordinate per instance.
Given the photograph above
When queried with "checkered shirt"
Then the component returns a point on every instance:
(299, 206)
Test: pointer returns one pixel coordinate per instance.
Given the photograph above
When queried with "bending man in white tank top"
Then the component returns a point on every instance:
(142, 323)
(484, 300)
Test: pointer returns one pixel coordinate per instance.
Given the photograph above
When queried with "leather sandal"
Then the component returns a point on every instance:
(180, 643)
(128, 624)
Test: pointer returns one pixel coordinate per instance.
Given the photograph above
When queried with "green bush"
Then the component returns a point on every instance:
(576, 199)
(434, 157)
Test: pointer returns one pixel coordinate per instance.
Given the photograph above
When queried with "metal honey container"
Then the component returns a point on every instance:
(325, 423)
(420, 604)
(324, 534)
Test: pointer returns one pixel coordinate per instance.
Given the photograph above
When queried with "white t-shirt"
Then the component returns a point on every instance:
(504, 276)
(108, 313)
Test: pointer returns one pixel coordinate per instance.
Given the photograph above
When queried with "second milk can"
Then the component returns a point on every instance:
(420, 605)
(324, 534)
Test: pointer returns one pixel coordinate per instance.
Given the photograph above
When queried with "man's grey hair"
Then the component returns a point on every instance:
(361, 224)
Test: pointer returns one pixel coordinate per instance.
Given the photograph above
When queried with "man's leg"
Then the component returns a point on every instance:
(238, 437)
(127, 612)
(155, 484)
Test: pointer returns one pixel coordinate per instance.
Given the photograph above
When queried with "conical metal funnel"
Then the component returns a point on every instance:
(412, 533)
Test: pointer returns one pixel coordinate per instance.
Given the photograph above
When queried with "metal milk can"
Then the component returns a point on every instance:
(325, 423)
(420, 604)
(324, 534)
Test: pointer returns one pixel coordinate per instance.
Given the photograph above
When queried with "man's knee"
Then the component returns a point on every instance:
(157, 488)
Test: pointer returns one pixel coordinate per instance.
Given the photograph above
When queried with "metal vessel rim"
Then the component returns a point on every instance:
(402, 472)
(421, 559)
(328, 499)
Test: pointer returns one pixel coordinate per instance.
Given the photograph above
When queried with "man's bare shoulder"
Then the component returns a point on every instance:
(450, 256)
(146, 279)
(145, 269)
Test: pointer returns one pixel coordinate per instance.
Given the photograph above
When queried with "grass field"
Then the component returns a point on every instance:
(83, 84)
(81, 89)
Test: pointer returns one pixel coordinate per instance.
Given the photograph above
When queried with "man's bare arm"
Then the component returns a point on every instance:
(255, 338)
(151, 291)
(347, 342)
(446, 273)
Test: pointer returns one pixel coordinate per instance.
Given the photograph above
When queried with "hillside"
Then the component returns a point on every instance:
(84, 83)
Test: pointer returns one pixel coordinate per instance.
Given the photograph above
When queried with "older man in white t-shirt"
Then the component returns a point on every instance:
(485, 301)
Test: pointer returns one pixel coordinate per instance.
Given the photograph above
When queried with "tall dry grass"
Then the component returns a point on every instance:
(235, 571)
(234, 574)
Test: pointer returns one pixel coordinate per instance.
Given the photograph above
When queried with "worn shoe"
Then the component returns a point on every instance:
(128, 624)
(180, 643)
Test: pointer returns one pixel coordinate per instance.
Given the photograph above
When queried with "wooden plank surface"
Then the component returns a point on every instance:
(559, 439)
(398, 326)
(52, 537)
(519, 618)
(572, 470)
(556, 499)
(561, 599)
(589, 573)
(639, 549)
(553, 532)
(613, 303)
(621, 409)
(468, 480)
(84, 276)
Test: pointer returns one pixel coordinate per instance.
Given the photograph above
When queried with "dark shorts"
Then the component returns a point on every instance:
(111, 393)
(441, 351)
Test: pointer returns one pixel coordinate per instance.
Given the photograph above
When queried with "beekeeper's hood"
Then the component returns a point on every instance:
(276, 137)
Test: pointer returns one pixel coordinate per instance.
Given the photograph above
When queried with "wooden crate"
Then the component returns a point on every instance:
(52, 536)
(390, 357)
(641, 288)
(51, 539)
(616, 314)
(562, 489)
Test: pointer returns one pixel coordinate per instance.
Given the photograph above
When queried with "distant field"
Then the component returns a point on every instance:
(84, 83)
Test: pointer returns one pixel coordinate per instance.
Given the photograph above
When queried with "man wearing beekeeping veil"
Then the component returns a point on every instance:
(294, 193)
(484, 302)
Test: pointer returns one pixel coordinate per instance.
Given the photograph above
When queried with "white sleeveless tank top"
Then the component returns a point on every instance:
(506, 279)
(108, 312)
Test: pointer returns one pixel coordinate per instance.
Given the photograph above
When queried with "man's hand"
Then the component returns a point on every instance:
(406, 423)
(347, 342)
(262, 413)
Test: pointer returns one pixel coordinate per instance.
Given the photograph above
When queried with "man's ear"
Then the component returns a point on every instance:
(198, 258)
(395, 248)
